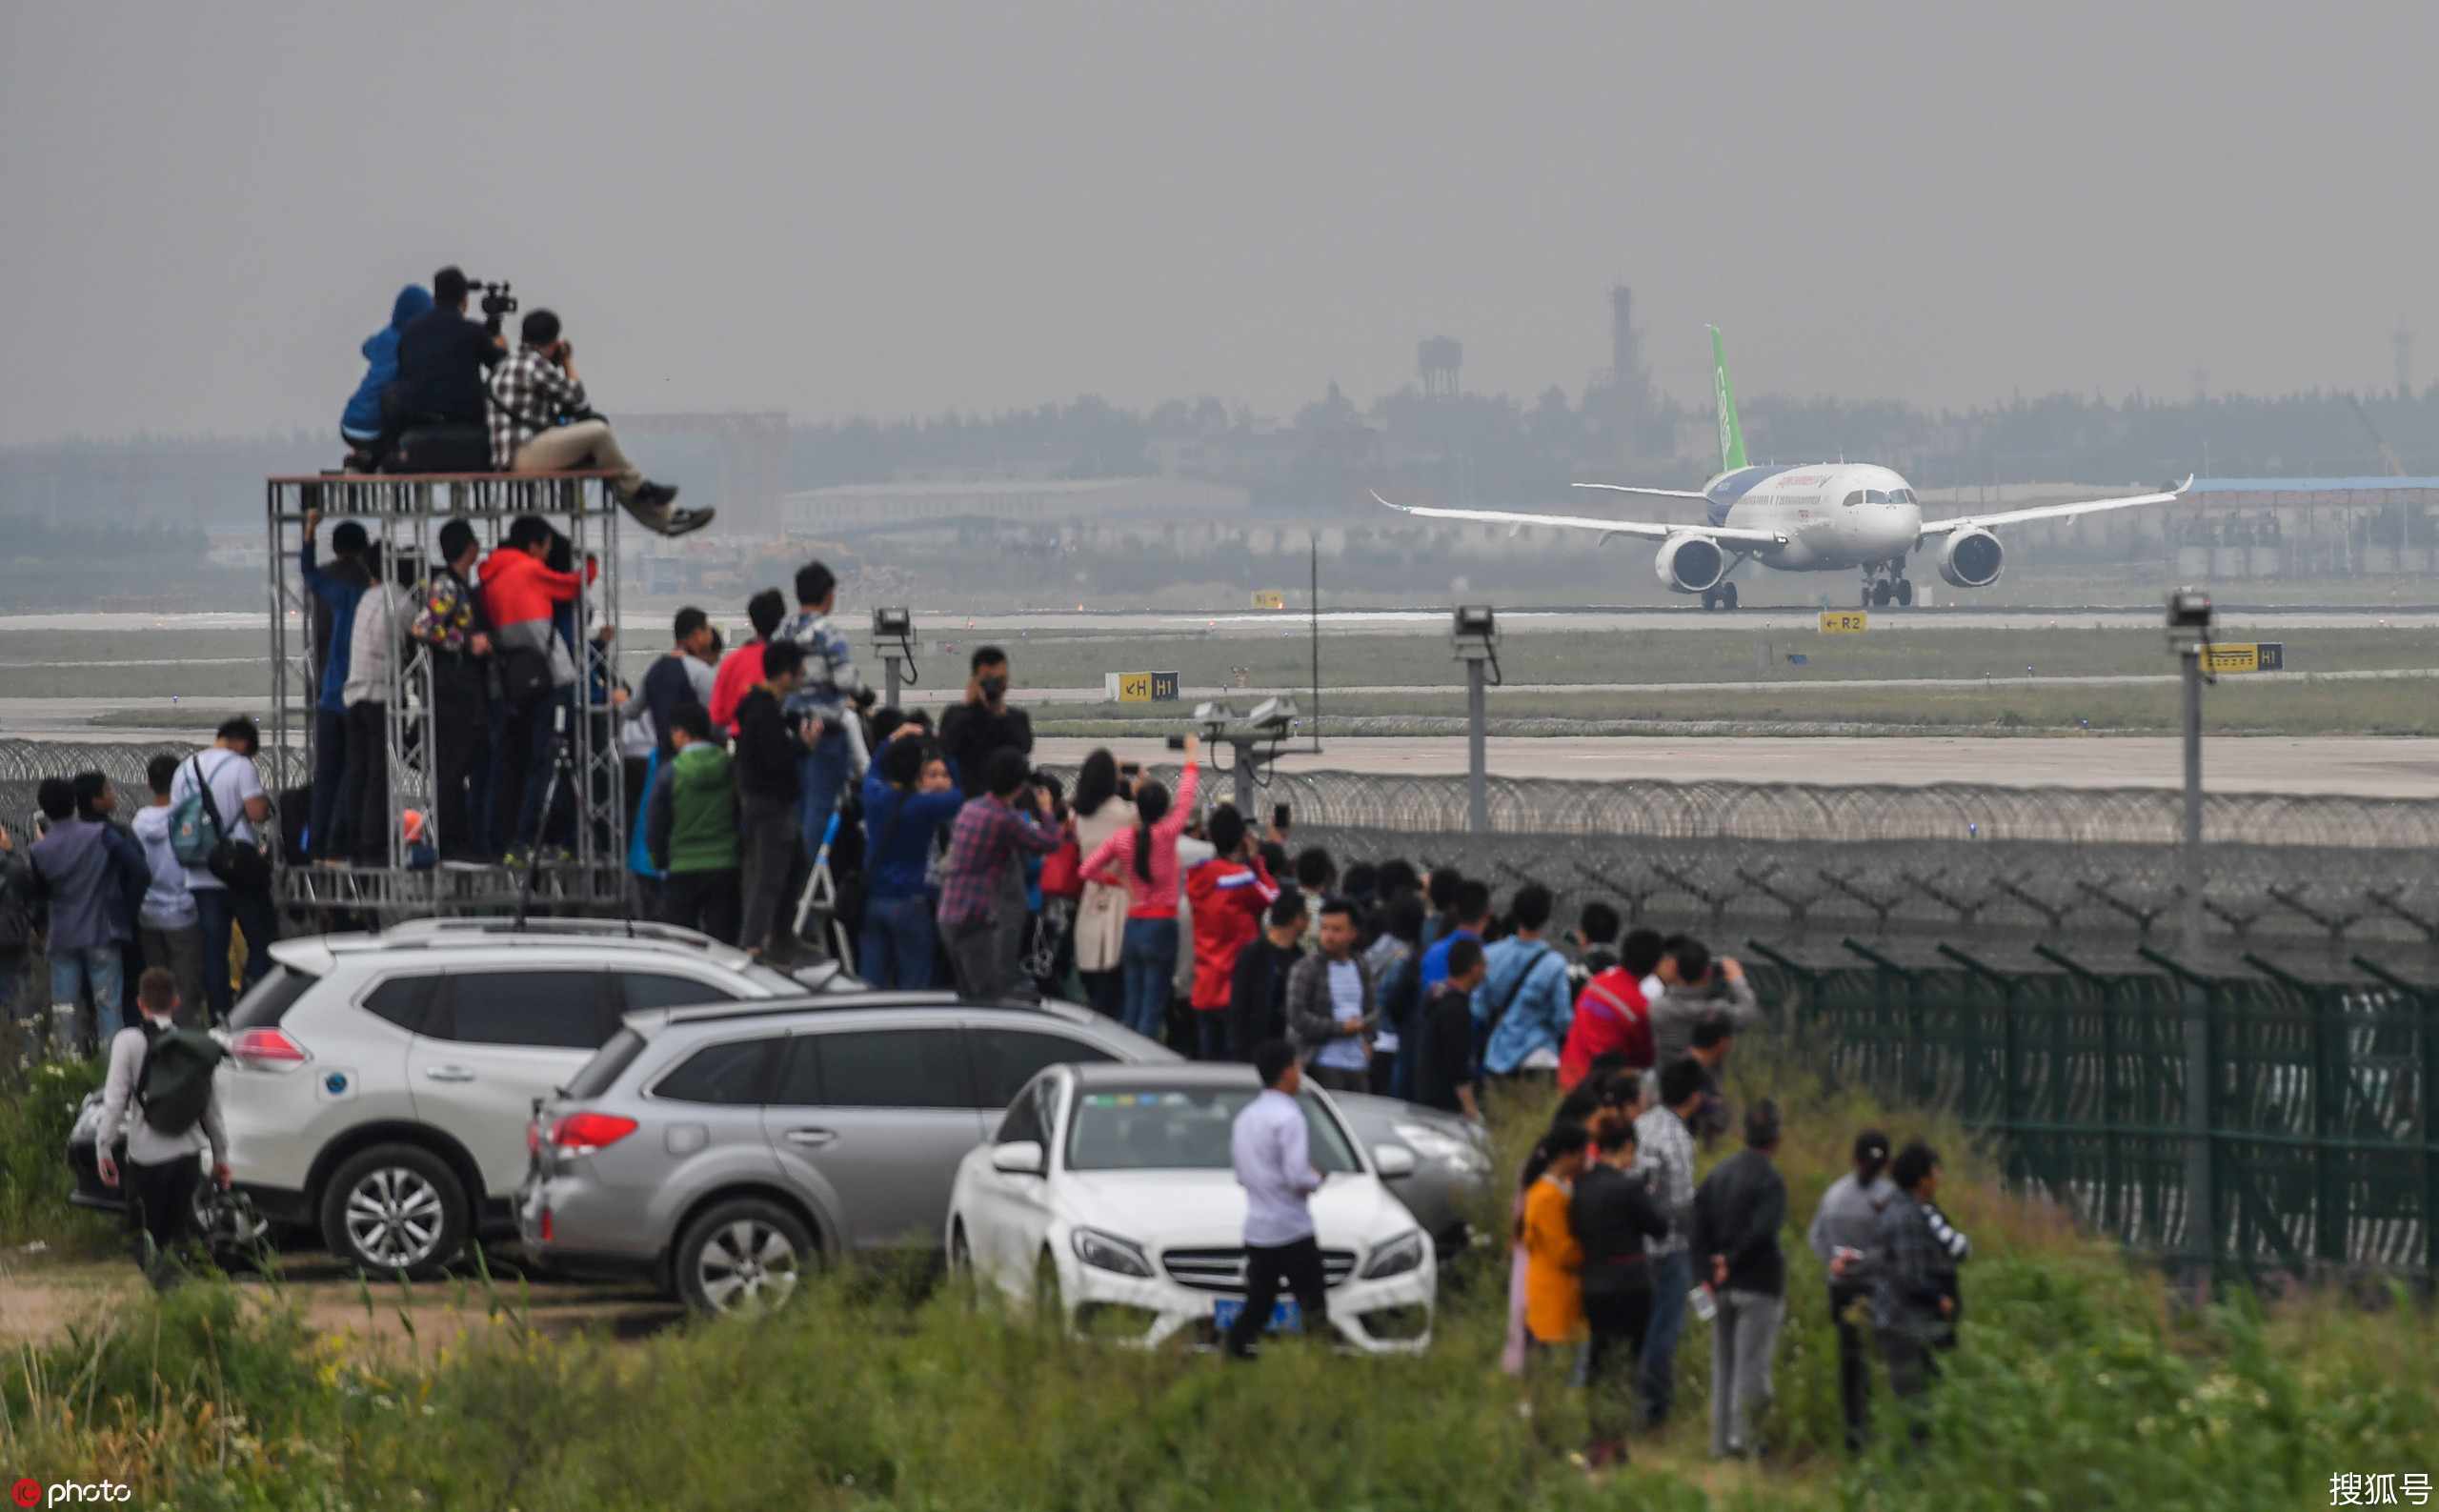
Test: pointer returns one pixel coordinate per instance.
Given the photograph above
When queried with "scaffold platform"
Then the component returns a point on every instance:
(403, 515)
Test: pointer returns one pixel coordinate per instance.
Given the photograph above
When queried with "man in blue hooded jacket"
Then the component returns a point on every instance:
(360, 425)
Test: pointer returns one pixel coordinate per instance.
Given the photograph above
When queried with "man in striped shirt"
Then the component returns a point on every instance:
(537, 386)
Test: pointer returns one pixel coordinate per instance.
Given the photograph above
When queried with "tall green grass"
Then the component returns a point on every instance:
(38, 1100)
(2078, 1384)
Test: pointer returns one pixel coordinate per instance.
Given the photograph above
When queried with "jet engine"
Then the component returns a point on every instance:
(1971, 559)
(1691, 564)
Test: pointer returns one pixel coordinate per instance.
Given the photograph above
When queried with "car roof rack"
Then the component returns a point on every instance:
(849, 1001)
(587, 928)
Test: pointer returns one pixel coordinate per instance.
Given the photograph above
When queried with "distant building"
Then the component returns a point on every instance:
(1011, 501)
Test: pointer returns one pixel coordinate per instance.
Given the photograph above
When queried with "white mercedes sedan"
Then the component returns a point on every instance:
(1107, 1194)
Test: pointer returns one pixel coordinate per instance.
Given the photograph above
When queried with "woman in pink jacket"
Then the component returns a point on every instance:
(1144, 859)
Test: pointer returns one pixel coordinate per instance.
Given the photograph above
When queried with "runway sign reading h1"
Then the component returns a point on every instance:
(1139, 687)
(1270, 600)
(1842, 621)
(2267, 655)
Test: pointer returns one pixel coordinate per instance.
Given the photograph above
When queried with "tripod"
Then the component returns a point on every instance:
(562, 761)
(821, 897)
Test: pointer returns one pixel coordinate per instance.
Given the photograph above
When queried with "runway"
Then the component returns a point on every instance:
(2362, 767)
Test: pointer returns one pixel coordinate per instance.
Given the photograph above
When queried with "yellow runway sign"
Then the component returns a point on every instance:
(1139, 687)
(1270, 600)
(1842, 621)
(2267, 655)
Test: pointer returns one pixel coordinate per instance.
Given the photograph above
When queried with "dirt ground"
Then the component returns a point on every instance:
(41, 1300)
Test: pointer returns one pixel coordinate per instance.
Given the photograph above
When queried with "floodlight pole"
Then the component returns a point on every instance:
(1477, 757)
(1474, 635)
(2189, 618)
(889, 675)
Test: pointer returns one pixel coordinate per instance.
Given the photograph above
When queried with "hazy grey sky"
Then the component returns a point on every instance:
(891, 209)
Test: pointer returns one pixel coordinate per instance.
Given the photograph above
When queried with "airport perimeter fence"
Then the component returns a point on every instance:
(24, 764)
(2322, 1150)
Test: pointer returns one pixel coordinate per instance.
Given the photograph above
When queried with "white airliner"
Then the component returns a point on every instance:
(1819, 517)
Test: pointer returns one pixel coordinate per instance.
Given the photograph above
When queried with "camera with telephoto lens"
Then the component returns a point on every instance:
(499, 304)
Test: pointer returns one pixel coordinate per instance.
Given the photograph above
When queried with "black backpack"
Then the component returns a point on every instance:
(173, 1086)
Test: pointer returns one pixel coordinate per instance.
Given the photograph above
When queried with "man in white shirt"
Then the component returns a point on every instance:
(237, 792)
(1271, 1147)
(381, 617)
(160, 1174)
(165, 923)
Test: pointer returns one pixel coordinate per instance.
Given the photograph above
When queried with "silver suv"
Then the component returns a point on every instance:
(721, 1150)
(378, 1087)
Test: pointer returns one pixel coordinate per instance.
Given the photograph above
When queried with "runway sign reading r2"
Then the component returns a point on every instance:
(1842, 621)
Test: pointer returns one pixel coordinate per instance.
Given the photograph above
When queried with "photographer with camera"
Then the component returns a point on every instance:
(539, 424)
(827, 702)
(442, 355)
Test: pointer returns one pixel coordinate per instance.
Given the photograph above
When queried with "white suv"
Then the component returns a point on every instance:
(378, 1087)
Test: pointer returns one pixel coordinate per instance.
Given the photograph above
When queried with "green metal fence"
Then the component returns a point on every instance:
(2322, 1149)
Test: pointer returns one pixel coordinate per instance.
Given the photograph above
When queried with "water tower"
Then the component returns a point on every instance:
(1437, 360)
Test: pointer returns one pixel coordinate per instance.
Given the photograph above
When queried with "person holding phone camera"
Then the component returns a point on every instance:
(540, 423)
(973, 732)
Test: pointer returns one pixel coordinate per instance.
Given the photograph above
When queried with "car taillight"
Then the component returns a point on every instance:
(533, 1138)
(546, 1226)
(583, 1132)
(267, 1050)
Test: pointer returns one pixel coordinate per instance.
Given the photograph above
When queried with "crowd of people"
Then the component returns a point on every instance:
(109, 893)
(444, 392)
(1615, 1244)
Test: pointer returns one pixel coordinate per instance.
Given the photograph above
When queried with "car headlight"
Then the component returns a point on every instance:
(1397, 1257)
(1448, 1149)
(1108, 1252)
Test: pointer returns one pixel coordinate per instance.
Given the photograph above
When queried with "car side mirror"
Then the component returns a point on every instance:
(1393, 1160)
(1018, 1157)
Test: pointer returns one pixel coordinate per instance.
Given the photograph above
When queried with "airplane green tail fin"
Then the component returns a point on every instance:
(1732, 435)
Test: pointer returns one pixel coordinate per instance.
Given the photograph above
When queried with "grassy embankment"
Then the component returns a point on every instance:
(142, 665)
(2078, 1384)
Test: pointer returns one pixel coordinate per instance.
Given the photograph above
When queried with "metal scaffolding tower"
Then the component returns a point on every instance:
(403, 515)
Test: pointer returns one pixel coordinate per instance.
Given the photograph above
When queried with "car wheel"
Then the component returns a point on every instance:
(395, 1207)
(743, 1253)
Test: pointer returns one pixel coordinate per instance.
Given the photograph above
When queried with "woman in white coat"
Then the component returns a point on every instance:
(1103, 805)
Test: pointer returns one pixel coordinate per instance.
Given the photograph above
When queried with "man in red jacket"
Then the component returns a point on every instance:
(1612, 1012)
(1228, 893)
(519, 594)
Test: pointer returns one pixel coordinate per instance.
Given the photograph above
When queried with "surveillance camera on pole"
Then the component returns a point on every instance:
(1474, 633)
(2189, 621)
(894, 635)
(1254, 738)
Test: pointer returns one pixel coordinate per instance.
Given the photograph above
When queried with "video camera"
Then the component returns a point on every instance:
(499, 304)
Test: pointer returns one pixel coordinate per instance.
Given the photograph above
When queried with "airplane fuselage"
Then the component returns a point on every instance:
(1835, 516)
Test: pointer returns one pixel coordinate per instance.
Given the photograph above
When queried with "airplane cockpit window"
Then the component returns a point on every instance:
(1874, 496)
(1853, 499)
(1901, 495)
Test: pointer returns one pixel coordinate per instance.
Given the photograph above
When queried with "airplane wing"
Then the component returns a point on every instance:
(1654, 493)
(2051, 511)
(1645, 529)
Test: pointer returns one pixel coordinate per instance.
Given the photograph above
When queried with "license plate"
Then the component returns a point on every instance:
(1286, 1315)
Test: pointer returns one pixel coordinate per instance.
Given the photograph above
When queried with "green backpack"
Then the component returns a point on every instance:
(175, 1084)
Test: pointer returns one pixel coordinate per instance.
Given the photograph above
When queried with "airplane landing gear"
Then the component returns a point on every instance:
(1883, 583)
(1724, 596)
